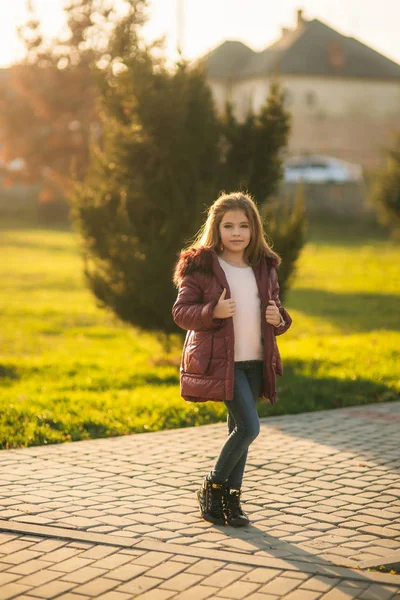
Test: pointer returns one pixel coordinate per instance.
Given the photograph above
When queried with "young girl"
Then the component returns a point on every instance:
(228, 302)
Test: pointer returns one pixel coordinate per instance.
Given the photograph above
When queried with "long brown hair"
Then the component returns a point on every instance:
(209, 235)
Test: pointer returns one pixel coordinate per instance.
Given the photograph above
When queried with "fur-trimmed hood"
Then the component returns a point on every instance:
(201, 259)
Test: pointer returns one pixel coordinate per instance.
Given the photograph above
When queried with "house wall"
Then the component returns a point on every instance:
(348, 118)
(220, 94)
(242, 95)
(341, 96)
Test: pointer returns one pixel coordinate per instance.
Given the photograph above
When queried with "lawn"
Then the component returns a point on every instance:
(69, 370)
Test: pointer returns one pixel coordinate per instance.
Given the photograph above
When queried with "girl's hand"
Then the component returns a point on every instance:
(224, 308)
(272, 314)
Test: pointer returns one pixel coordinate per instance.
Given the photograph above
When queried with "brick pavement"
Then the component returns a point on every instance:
(117, 518)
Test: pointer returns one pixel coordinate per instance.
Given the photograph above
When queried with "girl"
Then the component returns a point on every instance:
(228, 302)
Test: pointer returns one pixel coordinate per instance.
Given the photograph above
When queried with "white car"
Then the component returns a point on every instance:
(321, 169)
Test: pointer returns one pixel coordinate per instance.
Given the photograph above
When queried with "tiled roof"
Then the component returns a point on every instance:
(228, 58)
(313, 48)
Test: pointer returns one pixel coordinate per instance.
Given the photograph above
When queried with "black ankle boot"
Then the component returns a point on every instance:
(210, 497)
(232, 510)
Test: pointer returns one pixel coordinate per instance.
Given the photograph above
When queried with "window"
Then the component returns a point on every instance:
(311, 99)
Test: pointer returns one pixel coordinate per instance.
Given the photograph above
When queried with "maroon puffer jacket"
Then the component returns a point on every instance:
(207, 365)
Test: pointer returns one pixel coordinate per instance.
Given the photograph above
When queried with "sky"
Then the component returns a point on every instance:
(207, 23)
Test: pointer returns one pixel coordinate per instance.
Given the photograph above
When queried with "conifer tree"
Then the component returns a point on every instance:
(252, 162)
(385, 192)
(165, 155)
(147, 187)
(286, 229)
(253, 148)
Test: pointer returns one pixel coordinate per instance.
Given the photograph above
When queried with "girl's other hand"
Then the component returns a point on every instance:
(272, 314)
(225, 308)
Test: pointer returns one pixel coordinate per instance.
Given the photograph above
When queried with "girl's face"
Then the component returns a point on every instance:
(235, 231)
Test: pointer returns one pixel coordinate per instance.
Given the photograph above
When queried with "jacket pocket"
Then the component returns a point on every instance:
(197, 353)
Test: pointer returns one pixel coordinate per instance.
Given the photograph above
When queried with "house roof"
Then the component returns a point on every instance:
(228, 59)
(313, 48)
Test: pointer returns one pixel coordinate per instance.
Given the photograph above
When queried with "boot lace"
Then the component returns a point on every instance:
(232, 503)
(214, 499)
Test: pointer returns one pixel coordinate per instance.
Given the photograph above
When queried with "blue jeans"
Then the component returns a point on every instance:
(243, 424)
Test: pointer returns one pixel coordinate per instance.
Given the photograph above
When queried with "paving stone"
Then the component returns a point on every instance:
(342, 592)
(139, 584)
(183, 581)
(60, 555)
(198, 592)
(371, 520)
(51, 589)
(66, 596)
(14, 545)
(189, 560)
(261, 575)
(312, 495)
(349, 590)
(241, 568)
(319, 583)
(21, 556)
(280, 586)
(162, 535)
(40, 577)
(152, 559)
(224, 577)
(238, 545)
(25, 568)
(12, 590)
(258, 596)
(7, 578)
(380, 531)
(112, 561)
(97, 552)
(166, 570)
(321, 526)
(127, 572)
(238, 590)
(340, 551)
(158, 594)
(102, 529)
(206, 567)
(83, 575)
(386, 543)
(303, 595)
(48, 545)
(297, 575)
(112, 595)
(71, 564)
(97, 586)
(378, 592)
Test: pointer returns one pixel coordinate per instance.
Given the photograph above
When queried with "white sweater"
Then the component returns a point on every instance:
(247, 318)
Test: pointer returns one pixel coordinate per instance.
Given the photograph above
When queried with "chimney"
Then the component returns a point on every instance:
(284, 31)
(300, 18)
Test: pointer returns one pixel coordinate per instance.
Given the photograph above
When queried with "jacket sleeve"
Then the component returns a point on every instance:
(280, 329)
(189, 312)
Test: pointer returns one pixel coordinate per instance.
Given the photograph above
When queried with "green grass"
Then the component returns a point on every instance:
(69, 370)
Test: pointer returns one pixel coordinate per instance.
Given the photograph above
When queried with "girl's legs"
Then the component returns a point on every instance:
(243, 424)
(254, 376)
